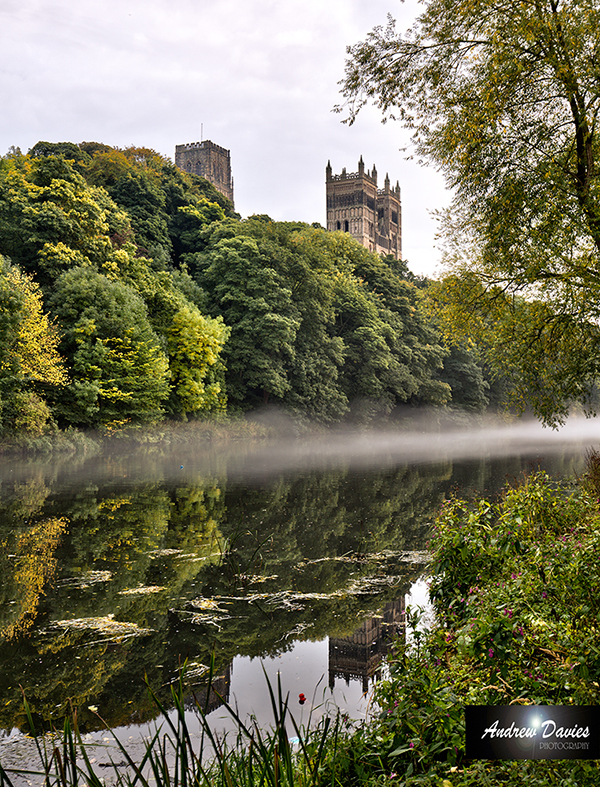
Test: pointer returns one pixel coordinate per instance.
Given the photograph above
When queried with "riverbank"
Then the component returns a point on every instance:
(221, 429)
(264, 423)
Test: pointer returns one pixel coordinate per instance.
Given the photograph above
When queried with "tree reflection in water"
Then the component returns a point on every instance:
(124, 573)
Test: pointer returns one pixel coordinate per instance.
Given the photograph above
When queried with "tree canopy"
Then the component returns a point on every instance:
(134, 339)
(120, 372)
(503, 98)
(163, 303)
(319, 325)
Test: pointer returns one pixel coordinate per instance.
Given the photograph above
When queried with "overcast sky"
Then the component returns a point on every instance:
(259, 77)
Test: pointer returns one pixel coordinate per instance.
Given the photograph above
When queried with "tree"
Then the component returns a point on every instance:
(535, 357)
(251, 295)
(36, 339)
(107, 167)
(66, 150)
(386, 364)
(309, 330)
(503, 98)
(192, 342)
(29, 361)
(310, 271)
(465, 377)
(144, 184)
(190, 222)
(142, 198)
(51, 220)
(119, 371)
(195, 344)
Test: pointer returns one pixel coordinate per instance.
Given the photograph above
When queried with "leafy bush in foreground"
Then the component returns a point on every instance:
(513, 585)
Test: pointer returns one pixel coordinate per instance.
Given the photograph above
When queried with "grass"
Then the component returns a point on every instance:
(175, 758)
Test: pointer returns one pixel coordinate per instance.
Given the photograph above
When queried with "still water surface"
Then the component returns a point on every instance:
(296, 556)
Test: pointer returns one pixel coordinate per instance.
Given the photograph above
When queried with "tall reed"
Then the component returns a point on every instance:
(173, 757)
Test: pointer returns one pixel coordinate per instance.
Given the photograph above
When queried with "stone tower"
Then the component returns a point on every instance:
(373, 216)
(208, 160)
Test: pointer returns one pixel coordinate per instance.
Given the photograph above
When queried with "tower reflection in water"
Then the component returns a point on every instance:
(359, 656)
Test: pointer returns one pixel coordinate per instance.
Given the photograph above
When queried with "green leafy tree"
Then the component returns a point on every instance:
(145, 185)
(530, 355)
(503, 99)
(383, 366)
(190, 222)
(107, 167)
(51, 220)
(166, 206)
(309, 270)
(118, 369)
(191, 341)
(252, 297)
(466, 378)
(272, 285)
(142, 198)
(11, 304)
(64, 150)
(416, 345)
(308, 332)
(391, 354)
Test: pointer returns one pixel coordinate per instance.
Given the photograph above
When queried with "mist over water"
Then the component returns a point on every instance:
(257, 460)
(382, 448)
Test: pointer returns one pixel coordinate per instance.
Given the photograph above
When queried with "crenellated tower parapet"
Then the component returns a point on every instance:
(208, 160)
(371, 215)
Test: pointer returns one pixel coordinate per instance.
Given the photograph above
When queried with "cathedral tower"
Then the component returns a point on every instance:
(373, 216)
(208, 160)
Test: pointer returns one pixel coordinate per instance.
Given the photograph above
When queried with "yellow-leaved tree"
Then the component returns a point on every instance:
(30, 364)
(504, 100)
(195, 344)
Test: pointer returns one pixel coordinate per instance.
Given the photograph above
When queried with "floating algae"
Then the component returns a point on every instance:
(196, 619)
(206, 603)
(142, 591)
(193, 671)
(113, 630)
(404, 556)
(255, 579)
(191, 557)
(209, 612)
(87, 579)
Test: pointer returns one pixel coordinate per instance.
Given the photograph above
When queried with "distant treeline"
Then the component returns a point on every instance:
(131, 291)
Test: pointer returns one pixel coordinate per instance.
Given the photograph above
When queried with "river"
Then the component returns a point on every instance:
(291, 555)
